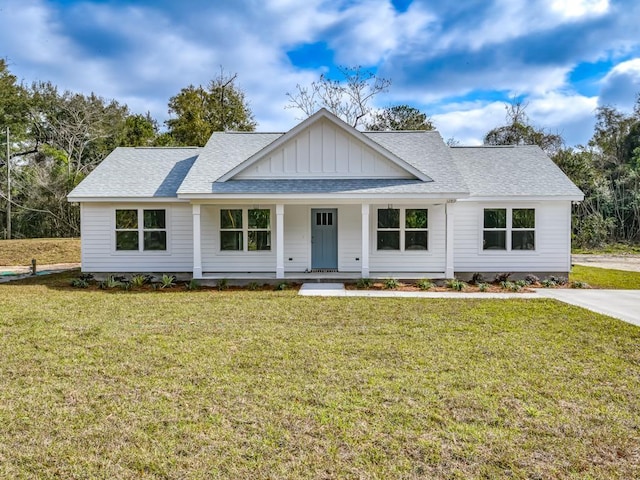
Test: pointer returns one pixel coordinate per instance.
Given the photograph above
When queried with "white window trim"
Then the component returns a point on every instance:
(141, 230)
(509, 229)
(402, 229)
(245, 231)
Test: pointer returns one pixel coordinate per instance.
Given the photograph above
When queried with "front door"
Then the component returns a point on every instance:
(324, 239)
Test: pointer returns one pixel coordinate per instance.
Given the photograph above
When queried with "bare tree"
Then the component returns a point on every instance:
(347, 98)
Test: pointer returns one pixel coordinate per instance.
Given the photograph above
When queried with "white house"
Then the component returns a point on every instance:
(325, 200)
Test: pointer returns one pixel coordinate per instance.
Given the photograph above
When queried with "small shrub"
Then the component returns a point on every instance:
(579, 284)
(138, 281)
(455, 284)
(193, 284)
(112, 282)
(125, 286)
(476, 278)
(222, 284)
(282, 286)
(364, 283)
(253, 286)
(391, 284)
(521, 283)
(548, 283)
(531, 279)
(483, 287)
(79, 283)
(167, 281)
(425, 284)
(502, 277)
(511, 286)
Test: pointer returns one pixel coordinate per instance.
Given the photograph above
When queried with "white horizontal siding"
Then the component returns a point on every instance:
(98, 240)
(324, 150)
(350, 238)
(553, 246)
(432, 260)
(297, 233)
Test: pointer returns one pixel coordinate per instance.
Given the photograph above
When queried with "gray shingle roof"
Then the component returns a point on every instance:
(138, 173)
(428, 153)
(223, 151)
(512, 171)
(327, 186)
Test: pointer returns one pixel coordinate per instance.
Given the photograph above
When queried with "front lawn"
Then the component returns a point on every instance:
(605, 278)
(44, 250)
(114, 384)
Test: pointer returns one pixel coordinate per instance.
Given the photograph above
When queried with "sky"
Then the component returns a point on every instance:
(459, 61)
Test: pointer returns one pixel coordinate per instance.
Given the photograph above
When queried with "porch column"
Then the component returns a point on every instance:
(197, 246)
(449, 220)
(365, 241)
(279, 241)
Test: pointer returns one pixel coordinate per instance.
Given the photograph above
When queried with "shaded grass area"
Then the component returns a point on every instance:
(273, 385)
(44, 250)
(605, 278)
(615, 248)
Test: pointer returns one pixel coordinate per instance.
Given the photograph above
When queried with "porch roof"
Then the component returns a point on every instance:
(334, 186)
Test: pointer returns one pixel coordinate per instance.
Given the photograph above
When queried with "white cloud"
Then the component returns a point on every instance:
(570, 115)
(621, 86)
(574, 9)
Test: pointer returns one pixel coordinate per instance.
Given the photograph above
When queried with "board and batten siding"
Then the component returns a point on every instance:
(97, 224)
(553, 239)
(430, 261)
(323, 151)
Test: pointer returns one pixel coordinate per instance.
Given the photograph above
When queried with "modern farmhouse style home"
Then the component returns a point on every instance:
(325, 200)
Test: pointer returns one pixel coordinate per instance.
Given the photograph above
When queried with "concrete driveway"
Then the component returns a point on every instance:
(622, 304)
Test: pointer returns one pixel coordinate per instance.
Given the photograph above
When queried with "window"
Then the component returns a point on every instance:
(415, 229)
(130, 232)
(509, 229)
(406, 228)
(523, 229)
(389, 229)
(259, 233)
(250, 227)
(231, 229)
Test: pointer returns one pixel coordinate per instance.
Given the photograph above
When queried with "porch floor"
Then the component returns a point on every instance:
(320, 277)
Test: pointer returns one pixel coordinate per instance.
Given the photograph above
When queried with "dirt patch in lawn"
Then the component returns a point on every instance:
(626, 262)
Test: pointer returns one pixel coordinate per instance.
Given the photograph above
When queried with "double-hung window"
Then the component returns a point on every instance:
(402, 229)
(244, 229)
(137, 227)
(509, 229)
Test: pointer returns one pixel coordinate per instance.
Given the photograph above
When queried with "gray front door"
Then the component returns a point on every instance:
(324, 238)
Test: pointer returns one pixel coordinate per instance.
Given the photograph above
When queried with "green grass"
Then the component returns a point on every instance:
(44, 250)
(606, 278)
(614, 248)
(208, 384)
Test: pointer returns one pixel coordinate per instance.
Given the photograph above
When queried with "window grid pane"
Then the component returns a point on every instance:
(155, 240)
(154, 219)
(127, 240)
(230, 219)
(495, 240)
(126, 219)
(231, 240)
(416, 240)
(389, 218)
(523, 218)
(388, 240)
(416, 218)
(495, 218)
(523, 240)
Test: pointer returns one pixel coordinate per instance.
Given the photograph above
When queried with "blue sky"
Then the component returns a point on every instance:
(457, 61)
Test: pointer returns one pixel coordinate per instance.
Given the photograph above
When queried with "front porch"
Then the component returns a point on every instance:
(242, 278)
(325, 241)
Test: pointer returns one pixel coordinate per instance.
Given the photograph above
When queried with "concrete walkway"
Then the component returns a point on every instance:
(9, 273)
(620, 304)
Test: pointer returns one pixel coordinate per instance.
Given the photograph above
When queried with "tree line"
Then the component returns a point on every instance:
(59, 137)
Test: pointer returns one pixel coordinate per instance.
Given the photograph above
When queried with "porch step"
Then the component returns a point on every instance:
(322, 289)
